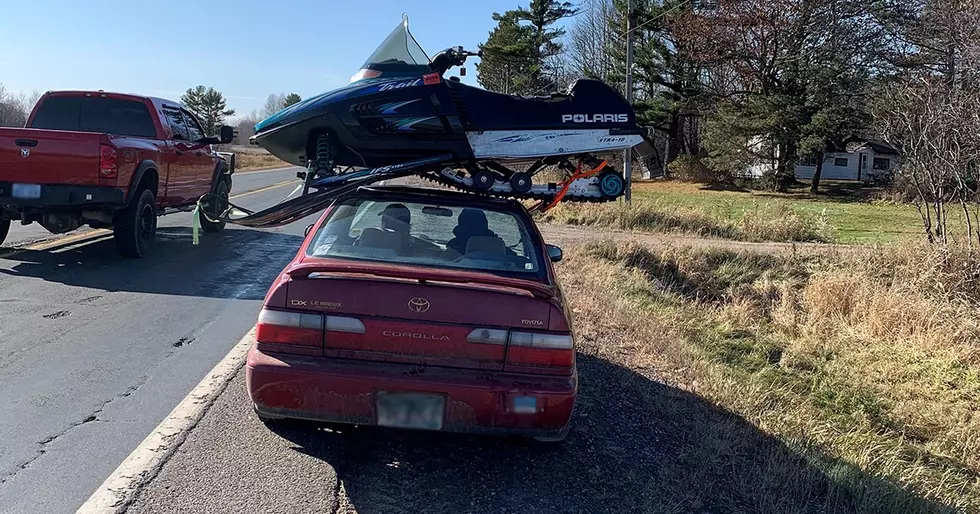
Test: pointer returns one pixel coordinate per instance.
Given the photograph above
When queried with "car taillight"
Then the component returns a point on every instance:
(289, 328)
(531, 352)
(539, 352)
(107, 162)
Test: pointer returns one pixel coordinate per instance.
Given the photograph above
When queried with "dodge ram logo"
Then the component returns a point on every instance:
(418, 304)
(25, 152)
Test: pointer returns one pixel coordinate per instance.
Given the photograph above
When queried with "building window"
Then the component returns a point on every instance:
(809, 161)
(840, 162)
(882, 164)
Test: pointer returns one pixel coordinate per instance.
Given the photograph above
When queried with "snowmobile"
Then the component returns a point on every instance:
(399, 116)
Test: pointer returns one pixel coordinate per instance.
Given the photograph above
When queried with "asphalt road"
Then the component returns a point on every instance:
(95, 350)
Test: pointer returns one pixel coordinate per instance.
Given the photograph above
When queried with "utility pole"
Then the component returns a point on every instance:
(628, 154)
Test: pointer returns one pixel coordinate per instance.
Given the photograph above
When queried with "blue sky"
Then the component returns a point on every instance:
(244, 48)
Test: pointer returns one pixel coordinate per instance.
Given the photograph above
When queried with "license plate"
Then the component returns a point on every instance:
(26, 191)
(410, 410)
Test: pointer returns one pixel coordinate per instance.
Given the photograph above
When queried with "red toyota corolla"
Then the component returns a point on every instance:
(421, 309)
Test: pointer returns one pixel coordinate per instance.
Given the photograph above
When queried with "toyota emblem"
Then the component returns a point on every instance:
(418, 304)
(25, 152)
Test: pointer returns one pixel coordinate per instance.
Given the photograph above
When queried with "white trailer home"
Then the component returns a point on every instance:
(865, 161)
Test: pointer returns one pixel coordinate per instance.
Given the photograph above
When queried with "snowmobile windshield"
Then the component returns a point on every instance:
(398, 54)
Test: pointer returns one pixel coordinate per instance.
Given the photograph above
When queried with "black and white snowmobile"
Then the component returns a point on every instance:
(399, 115)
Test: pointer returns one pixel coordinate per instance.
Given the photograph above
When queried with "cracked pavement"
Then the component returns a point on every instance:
(95, 350)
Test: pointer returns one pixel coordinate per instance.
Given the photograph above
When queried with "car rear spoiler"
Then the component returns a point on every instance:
(305, 269)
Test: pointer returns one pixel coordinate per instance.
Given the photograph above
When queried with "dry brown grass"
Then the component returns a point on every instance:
(777, 224)
(246, 161)
(866, 365)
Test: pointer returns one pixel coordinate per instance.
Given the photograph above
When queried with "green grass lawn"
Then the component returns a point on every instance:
(856, 218)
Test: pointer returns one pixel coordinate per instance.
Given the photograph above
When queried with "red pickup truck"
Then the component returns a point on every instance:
(110, 160)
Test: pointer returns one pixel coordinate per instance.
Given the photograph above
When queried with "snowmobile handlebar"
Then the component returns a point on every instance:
(450, 57)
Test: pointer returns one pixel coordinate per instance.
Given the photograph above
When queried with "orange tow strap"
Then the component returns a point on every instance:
(567, 183)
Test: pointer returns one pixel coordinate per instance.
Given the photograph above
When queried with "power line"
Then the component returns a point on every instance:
(661, 15)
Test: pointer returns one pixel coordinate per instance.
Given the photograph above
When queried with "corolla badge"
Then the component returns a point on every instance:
(25, 152)
(418, 304)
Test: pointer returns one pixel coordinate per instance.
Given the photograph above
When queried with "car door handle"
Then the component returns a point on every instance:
(199, 154)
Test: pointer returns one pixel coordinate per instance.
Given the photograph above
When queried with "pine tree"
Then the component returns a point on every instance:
(208, 105)
(517, 54)
(290, 99)
(666, 84)
(546, 41)
(507, 60)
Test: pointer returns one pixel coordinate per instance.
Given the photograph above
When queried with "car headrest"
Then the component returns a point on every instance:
(485, 244)
(380, 238)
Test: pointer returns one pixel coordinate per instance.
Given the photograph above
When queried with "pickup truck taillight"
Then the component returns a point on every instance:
(107, 162)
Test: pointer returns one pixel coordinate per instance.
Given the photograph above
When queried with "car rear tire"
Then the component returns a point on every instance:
(561, 436)
(4, 229)
(135, 227)
(217, 204)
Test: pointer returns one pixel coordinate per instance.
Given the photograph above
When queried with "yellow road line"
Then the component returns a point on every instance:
(95, 234)
(263, 189)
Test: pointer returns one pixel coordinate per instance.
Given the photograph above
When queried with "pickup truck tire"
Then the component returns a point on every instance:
(4, 228)
(135, 227)
(217, 206)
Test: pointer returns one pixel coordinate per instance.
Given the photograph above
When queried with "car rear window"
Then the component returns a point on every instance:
(429, 234)
(95, 114)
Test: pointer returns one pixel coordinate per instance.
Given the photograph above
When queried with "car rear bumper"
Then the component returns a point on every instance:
(342, 391)
(64, 196)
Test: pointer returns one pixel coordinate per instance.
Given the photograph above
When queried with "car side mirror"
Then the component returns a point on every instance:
(226, 134)
(554, 253)
(308, 229)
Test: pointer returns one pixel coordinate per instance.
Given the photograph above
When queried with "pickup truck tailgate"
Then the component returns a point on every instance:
(35, 156)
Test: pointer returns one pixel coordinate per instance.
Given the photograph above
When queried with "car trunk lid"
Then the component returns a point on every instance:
(408, 316)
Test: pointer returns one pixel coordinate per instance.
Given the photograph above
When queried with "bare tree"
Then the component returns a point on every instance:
(589, 39)
(273, 104)
(932, 113)
(12, 111)
(31, 100)
(245, 127)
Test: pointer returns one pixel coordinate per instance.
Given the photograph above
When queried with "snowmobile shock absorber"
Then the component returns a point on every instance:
(322, 164)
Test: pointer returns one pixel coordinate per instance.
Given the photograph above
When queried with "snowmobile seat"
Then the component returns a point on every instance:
(487, 110)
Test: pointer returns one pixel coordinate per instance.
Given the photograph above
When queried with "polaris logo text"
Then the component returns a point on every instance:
(595, 118)
(414, 335)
